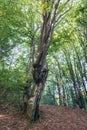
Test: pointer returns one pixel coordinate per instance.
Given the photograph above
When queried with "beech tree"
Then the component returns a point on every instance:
(53, 12)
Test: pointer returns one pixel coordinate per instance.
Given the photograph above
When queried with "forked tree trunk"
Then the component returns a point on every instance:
(40, 68)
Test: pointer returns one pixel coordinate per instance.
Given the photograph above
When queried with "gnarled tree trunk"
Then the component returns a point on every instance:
(40, 72)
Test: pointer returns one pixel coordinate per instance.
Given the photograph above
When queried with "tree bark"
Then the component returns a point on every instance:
(69, 64)
(28, 82)
(80, 68)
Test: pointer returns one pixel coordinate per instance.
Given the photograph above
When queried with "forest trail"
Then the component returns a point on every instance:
(52, 118)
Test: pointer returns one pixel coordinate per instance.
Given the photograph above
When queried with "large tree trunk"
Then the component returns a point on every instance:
(40, 72)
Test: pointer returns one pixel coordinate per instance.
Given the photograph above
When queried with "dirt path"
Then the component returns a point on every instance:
(52, 118)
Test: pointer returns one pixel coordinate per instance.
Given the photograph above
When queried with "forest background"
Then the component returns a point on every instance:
(20, 23)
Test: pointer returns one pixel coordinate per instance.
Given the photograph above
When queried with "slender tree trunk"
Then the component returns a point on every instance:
(27, 87)
(79, 67)
(59, 89)
(64, 96)
(62, 87)
(58, 79)
(32, 53)
(83, 43)
(77, 75)
(68, 60)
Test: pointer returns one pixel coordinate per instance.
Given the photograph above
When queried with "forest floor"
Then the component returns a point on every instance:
(52, 118)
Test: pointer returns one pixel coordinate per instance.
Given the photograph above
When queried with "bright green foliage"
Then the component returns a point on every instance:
(20, 22)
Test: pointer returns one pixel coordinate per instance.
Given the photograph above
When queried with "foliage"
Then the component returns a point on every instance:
(20, 22)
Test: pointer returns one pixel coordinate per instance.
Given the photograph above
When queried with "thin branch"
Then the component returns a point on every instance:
(62, 16)
(56, 4)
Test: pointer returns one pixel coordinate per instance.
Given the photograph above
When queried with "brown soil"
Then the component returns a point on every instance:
(52, 118)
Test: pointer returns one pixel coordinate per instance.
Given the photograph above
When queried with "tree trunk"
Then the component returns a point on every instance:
(80, 68)
(27, 87)
(40, 73)
(69, 64)
(63, 100)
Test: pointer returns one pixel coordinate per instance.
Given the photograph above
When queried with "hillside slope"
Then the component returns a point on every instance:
(61, 118)
(52, 118)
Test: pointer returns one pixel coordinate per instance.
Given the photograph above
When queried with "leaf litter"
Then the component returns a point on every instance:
(52, 118)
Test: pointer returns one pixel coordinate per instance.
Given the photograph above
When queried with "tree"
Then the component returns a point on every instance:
(52, 12)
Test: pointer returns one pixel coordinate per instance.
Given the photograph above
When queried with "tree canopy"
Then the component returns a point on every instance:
(55, 31)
